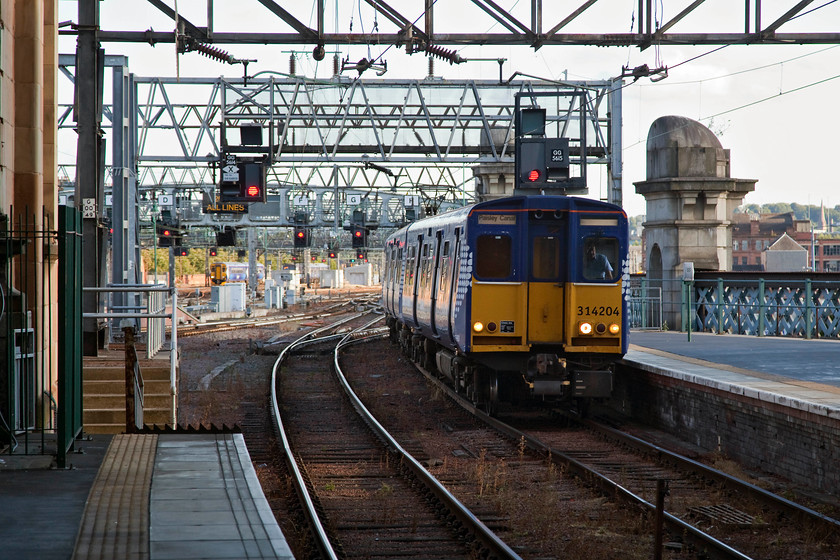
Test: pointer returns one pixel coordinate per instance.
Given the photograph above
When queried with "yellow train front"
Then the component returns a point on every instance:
(513, 299)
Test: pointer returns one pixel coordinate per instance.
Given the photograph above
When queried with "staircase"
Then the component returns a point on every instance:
(104, 392)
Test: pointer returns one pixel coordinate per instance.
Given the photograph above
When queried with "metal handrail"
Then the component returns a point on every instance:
(173, 337)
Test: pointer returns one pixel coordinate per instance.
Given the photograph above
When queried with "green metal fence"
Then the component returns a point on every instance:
(69, 330)
(41, 373)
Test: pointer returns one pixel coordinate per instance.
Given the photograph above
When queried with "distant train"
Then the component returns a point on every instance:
(223, 272)
(513, 299)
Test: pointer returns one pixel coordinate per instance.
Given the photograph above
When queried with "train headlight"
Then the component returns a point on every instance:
(600, 328)
(478, 326)
(585, 328)
(614, 328)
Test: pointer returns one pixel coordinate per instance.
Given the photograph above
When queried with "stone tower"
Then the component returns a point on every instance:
(690, 199)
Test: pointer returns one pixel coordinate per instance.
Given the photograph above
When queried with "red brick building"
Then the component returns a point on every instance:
(753, 233)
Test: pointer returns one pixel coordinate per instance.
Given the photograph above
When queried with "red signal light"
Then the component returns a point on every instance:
(253, 191)
(357, 233)
(167, 233)
(534, 175)
(300, 234)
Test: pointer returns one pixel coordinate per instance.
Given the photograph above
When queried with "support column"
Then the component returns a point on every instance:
(89, 195)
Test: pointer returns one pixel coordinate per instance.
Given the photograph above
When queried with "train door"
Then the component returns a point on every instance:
(435, 282)
(453, 283)
(547, 274)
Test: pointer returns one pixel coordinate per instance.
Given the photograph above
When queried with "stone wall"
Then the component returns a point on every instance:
(797, 442)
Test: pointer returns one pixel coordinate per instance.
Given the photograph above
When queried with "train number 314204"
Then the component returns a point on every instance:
(597, 310)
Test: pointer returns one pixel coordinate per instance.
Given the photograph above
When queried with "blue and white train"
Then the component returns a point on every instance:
(515, 298)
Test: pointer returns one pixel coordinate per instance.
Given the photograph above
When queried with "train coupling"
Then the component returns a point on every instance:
(546, 364)
(547, 375)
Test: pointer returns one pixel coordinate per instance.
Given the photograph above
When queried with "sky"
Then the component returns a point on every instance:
(774, 107)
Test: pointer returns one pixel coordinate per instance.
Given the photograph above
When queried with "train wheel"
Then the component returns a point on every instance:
(485, 391)
(491, 405)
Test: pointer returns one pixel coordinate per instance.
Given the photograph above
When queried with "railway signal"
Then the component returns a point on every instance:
(213, 252)
(226, 238)
(243, 181)
(168, 236)
(359, 234)
(301, 236)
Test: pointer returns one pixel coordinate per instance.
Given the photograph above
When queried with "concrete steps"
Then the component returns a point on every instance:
(104, 392)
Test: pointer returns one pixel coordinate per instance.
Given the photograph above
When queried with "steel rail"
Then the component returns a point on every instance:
(773, 500)
(221, 326)
(309, 509)
(488, 538)
(712, 546)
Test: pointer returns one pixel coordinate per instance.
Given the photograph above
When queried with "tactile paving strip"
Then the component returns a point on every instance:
(116, 519)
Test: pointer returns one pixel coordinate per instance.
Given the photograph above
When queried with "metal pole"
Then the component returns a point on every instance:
(173, 359)
(661, 492)
(762, 307)
(88, 187)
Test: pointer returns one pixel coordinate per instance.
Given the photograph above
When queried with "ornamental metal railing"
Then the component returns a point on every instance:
(795, 307)
(644, 305)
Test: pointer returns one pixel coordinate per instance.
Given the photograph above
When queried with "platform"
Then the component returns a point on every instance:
(140, 496)
(798, 373)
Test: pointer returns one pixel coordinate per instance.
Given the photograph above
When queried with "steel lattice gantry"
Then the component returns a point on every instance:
(339, 144)
(422, 25)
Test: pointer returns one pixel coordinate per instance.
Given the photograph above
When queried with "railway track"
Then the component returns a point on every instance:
(701, 508)
(332, 310)
(522, 495)
(367, 495)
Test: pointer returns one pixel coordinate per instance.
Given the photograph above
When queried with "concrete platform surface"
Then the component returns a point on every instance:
(803, 374)
(139, 496)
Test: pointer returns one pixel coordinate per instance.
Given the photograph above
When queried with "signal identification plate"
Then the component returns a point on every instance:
(497, 219)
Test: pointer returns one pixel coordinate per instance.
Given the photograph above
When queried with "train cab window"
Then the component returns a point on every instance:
(600, 258)
(545, 258)
(493, 257)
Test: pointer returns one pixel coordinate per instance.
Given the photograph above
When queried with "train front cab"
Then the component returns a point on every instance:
(218, 273)
(560, 342)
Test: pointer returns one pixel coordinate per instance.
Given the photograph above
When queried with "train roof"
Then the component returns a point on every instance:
(510, 202)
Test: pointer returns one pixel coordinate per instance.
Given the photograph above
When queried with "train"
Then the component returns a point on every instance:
(223, 272)
(517, 299)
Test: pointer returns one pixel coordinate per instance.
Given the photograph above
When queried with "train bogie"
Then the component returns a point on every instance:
(514, 298)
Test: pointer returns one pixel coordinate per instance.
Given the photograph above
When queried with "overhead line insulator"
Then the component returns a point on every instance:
(213, 52)
(444, 54)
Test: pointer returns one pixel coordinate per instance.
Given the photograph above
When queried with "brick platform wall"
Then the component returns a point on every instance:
(801, 446)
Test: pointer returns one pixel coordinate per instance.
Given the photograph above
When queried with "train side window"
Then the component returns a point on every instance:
(409, 269)
(425, 267)
(545, 258)
(493, 256)
(600, 258)
(443, 271)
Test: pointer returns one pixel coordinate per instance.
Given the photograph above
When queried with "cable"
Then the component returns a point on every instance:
(741, 107)
(750, 69)
(773, 97)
